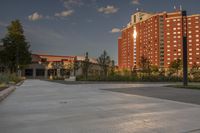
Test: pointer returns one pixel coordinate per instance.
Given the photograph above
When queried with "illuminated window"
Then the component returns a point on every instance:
(197, 40)
(197, 26)
(197, 35)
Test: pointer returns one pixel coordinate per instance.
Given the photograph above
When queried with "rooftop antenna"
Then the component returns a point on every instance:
(174, 7)
(181, 8)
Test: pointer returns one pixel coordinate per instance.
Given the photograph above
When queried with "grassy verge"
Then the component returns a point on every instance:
(190, 86)
(6, 79)
(3, 87)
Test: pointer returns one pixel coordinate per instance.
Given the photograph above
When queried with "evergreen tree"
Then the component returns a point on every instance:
(16, 54)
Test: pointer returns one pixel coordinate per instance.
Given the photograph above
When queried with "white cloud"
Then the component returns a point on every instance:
(64, 13)
(115, 30)
(35, 16)
(135, 2)
(108, 9)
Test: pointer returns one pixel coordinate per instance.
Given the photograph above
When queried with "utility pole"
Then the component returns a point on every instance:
(17, 64)
(185, 60)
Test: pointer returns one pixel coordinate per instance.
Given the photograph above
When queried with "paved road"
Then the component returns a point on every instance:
(46, 107)
(175, 94)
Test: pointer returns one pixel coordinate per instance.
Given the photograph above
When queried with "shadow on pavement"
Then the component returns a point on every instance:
(180, 95)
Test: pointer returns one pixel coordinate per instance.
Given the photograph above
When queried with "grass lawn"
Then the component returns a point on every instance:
(3, 86)
(190, 86)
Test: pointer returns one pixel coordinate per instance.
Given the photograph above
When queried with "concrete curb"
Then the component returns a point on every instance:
(6, 92)
(20, 83)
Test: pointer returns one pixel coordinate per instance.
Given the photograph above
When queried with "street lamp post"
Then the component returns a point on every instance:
(185, 60)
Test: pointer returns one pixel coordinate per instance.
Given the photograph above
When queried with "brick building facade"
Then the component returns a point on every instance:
(159, 37)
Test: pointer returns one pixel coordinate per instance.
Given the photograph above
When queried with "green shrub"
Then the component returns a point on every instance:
(7, 78)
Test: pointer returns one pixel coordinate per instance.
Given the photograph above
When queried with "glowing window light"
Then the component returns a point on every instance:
(135, 34)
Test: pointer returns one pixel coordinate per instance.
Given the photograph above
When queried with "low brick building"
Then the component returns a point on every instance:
(46, 66)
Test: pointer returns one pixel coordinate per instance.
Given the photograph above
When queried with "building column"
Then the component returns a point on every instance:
(34, 73)
(58, 72)
(45, 73)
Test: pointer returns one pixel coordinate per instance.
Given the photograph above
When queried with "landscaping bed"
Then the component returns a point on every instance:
(3, 87)
(190, 86)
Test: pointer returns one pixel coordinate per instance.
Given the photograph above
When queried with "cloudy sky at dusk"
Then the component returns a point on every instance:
(72, 27)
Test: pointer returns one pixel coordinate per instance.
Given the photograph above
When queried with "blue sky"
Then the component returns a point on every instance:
(72, 27)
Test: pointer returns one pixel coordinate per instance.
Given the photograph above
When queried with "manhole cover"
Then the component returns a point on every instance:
(63, 102)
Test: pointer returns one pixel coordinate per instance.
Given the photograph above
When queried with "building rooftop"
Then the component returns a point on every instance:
(57, 58)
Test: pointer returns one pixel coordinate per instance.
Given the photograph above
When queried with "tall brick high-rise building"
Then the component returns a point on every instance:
(159, 37)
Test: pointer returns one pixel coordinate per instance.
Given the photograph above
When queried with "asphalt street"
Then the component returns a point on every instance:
(47, 107)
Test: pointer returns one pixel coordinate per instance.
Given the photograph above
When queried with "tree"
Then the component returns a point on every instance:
(15, 54)
(175, 66)
(145, 65)
(86, 65)
(104, 62)
(55, 66)
(76, 65)
(154, 69)
(112, 68)
(195, 72)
